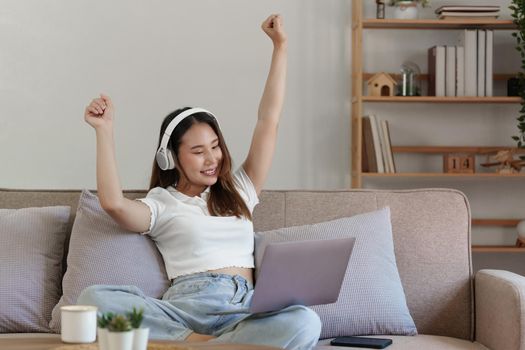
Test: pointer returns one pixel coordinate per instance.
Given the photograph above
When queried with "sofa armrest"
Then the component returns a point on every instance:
(500, 309)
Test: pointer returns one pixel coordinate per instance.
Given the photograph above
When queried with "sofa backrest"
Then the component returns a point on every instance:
(431, 229)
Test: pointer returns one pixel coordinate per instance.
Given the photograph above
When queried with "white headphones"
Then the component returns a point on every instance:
(164, 156)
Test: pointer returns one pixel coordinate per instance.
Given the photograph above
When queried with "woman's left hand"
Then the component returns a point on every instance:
(273, 27)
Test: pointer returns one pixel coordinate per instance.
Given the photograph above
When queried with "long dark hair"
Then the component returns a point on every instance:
(224, 199)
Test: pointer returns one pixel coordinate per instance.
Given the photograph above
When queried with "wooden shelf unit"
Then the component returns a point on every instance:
(358, 77)
(359, 24)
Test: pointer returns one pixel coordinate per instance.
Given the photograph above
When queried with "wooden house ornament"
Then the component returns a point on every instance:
(381, 84)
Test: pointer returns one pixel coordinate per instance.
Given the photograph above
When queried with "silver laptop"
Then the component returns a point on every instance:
(299, 273)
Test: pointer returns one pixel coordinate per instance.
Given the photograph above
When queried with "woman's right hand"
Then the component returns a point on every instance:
(99, 113)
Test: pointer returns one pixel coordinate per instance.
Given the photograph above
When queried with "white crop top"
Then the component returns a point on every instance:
(190, 239)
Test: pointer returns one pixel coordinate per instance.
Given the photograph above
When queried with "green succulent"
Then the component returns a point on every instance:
(119, 323)
(135, 317)
(104, 318)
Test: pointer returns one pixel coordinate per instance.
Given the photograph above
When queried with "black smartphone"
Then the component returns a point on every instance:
(362, 342)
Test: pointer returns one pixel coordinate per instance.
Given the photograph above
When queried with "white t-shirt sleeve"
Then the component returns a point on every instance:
(156, 207)
(247, 190)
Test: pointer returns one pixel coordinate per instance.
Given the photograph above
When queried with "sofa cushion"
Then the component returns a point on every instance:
(100, 252)
(372, 300)
(31, 266)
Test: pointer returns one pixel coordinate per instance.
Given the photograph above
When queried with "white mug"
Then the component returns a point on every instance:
(79, 323)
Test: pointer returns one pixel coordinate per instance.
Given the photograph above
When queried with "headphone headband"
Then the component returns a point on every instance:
(165, 158)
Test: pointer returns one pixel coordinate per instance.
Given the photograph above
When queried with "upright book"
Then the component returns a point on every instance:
(436, 71)
(460, 71)
(481, 63)
(377, 143)
(468, 39)
(489, 62)
(450, 70)
(387, 147)
(370, 123)
(369, 161)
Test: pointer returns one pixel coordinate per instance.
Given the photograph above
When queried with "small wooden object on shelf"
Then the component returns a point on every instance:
(458, 163)
(381, 84)
(520, 227)
(504, 161)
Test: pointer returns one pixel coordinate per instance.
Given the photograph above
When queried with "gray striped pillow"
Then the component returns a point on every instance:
(372, 300)
(31, 266)
(100, 252)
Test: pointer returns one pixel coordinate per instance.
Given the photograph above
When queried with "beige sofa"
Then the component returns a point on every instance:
(451, 308)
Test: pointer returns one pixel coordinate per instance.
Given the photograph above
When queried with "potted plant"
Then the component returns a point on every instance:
(140, 335)
(120, 334)
(103, 320)
(407, 9)
(518, 14)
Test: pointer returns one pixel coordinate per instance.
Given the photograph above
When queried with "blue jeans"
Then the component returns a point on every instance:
(184, 309)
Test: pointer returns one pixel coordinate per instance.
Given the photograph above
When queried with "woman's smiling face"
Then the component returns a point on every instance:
(200, 159)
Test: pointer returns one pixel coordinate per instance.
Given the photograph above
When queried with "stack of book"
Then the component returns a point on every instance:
(377, 153)
(462, 12)
(465, 69)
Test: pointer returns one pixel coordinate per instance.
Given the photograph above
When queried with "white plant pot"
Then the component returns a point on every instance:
(140, 338)
(120, 340)
(102, 334)
(406, 10)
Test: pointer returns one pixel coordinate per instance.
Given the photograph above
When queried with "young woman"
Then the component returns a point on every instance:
(199, 214)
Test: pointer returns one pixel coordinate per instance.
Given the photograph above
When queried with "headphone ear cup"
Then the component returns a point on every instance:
(170, 160)
(162, 159)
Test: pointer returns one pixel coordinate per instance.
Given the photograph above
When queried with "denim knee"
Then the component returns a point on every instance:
(108, 298)
(306, 327)
(90, 295)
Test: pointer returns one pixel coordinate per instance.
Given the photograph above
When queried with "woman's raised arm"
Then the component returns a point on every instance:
(260, 155)
(129, 214)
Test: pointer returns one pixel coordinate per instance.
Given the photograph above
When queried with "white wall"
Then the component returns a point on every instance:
(155, 56)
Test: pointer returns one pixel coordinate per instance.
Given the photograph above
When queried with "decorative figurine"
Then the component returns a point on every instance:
(381, 84)
(505, 162)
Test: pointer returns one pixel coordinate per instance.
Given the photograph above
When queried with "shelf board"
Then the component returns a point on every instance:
(443, 175)
(501, 24)
(424, 77)
(497, 249)
(496, 222)
(436, 99)
(454, 149)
